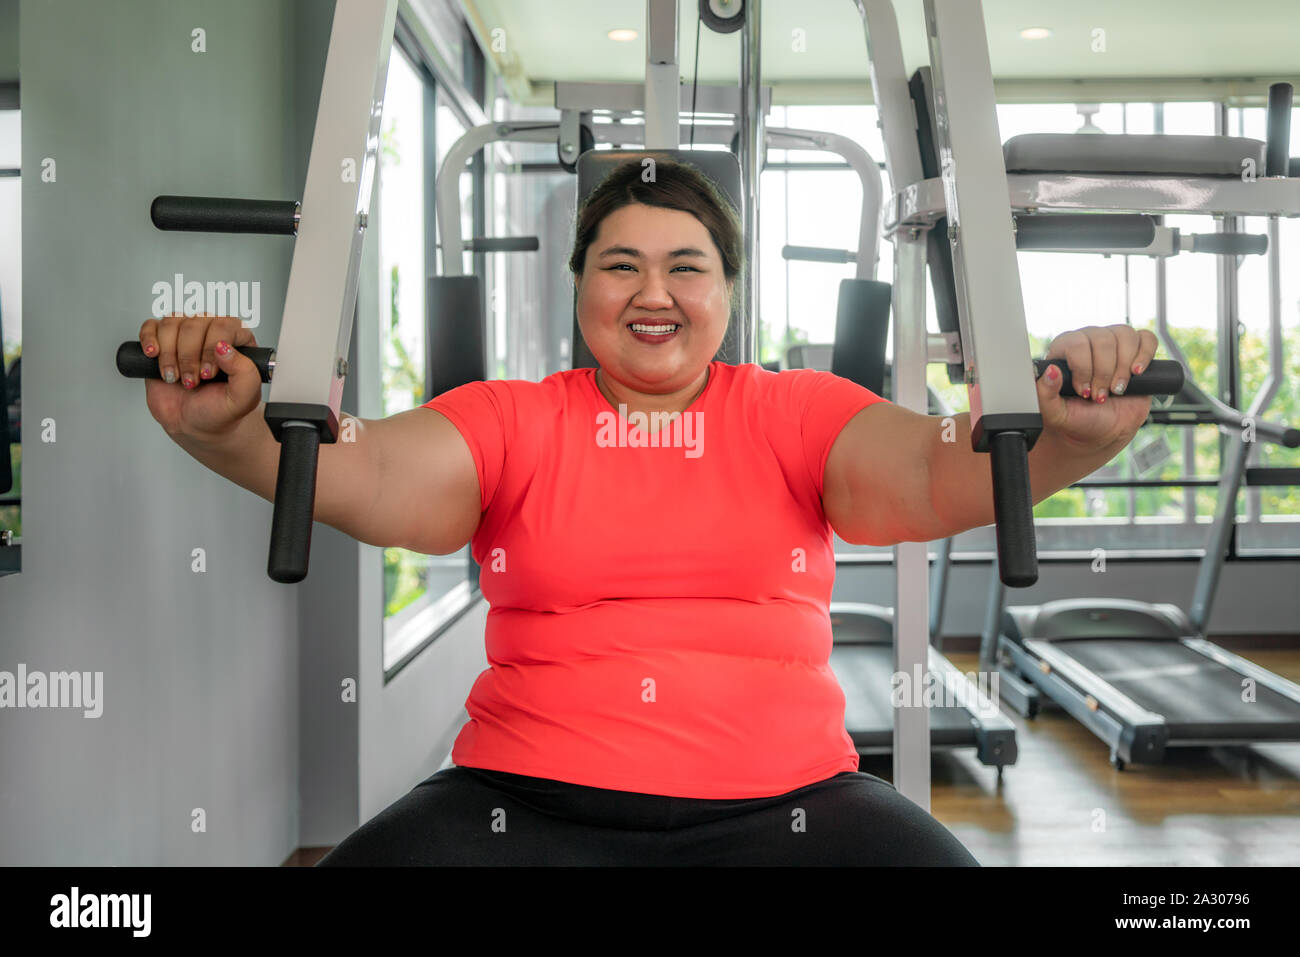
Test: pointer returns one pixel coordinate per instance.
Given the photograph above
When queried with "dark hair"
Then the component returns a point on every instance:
(674, 186)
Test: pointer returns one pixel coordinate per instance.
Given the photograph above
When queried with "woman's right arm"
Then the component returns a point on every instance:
(407, 481)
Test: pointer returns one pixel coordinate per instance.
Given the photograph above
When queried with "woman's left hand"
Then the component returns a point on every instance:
(1102, 359)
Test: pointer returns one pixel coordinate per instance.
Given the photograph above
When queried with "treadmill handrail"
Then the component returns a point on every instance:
(1274, 682)
(969, 694)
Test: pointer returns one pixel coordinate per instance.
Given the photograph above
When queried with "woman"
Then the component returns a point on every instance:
(655, 544)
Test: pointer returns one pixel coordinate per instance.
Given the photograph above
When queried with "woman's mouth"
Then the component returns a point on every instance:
(654, 332)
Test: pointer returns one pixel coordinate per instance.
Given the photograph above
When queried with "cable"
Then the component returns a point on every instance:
(695, 81)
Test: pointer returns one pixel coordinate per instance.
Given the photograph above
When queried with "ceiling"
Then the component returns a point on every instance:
(1174, 45)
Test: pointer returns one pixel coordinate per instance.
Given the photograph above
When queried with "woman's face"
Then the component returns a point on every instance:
(657, 267)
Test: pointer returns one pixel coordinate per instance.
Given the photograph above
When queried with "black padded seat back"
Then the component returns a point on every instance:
(6, 468)
(1134, 154)
(455, 351)
(720, 166)
(938, 253)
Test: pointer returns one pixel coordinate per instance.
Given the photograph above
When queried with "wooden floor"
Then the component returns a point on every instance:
(1063, 804)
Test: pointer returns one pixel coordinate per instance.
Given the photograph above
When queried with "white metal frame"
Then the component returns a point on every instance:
(322, 292)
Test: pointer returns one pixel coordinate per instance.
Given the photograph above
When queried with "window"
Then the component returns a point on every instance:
(423, 594)
(531, 303)
(819, 206)
(11, 336)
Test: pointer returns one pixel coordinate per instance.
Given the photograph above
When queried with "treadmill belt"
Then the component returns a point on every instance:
(1199, 698)
(863, 672)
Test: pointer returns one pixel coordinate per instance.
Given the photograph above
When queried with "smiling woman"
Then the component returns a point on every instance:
(657, 250)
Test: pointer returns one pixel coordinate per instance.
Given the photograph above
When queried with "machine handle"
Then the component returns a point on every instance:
(134, 364)
(1225, 244)
(818, 254)
(1013, 509)
(1162, 377)
(295, 498)
(212, 214)
(1013, 504)
(502, 244)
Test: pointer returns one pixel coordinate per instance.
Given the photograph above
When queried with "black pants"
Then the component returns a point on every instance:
(474, 816)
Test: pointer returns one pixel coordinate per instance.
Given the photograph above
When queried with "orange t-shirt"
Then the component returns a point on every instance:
(658, 599)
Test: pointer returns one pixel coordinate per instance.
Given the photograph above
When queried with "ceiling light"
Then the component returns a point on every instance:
(622, 36)
(1035, 33)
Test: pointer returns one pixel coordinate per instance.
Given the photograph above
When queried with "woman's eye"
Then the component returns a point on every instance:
(619, 266)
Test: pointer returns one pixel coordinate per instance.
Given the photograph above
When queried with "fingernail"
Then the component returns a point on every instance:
(1118, 388)
(223, 348)
(1087, 391)
(1101, 395)
(169, 376)
(206, 371)
(150, 349)
(188, 382)
(1053, 373)
(1137, 369)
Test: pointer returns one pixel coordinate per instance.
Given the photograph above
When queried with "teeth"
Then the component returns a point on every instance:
(653, 330)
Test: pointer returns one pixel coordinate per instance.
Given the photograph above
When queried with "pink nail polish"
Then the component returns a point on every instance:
(1087, 392)
(1137, 369)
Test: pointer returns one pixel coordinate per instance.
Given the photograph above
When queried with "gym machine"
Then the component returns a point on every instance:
(1142, 676)
(308, 367)
(949, 211)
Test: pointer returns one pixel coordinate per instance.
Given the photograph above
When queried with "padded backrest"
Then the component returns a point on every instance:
(6, 469)
(454, 341)
(938, 252)
(720, 166)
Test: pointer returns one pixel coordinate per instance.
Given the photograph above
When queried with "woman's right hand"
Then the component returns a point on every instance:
(186, 346)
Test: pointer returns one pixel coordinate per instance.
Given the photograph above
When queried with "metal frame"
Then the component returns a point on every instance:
(322, 291)
(976, 194)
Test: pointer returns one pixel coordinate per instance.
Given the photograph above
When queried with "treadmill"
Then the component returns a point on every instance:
(1142, 676)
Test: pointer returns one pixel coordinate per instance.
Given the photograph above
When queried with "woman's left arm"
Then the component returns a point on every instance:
(895, 475)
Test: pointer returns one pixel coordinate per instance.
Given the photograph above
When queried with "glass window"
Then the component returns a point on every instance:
(814, 207)
(422, 593)
(1064, 292)
(11, 333)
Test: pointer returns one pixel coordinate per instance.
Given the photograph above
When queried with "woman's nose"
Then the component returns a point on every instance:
(654, 290)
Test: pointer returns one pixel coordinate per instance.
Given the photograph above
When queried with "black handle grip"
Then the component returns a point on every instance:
(503, 244)
(1278, 142)
(295, 499)
(1085, 231)
(818, 254)
(134, 364)
(212, 214)
(1162, 377)
(1013, 509)
(1225, 244)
